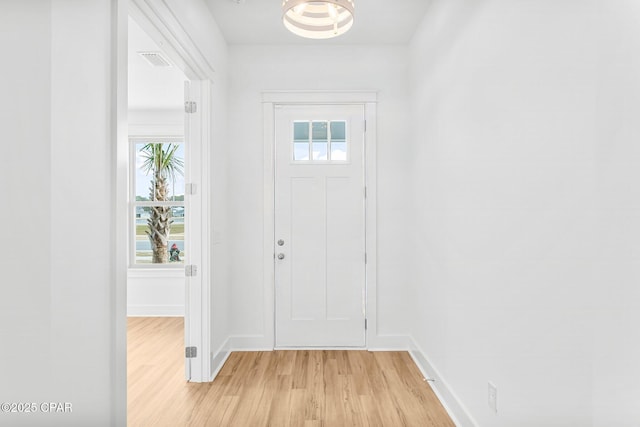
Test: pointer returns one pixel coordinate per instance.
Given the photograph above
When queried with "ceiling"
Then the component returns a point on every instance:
(151, 88)
(260, 22)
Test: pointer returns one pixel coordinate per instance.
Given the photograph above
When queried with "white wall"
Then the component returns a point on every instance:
(526, 208)
(616, 297)
(254, 69)
(56, 312)
(155, 292)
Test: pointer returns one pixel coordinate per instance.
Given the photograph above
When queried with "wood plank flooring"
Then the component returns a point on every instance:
(280, 388)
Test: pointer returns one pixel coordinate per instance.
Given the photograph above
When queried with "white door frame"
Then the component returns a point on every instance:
(270, 100)
(197, 316)
(162, 26)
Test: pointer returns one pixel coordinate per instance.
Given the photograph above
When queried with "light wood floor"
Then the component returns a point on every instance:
(279, 388)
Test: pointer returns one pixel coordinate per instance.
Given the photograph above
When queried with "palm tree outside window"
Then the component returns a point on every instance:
(158, 201)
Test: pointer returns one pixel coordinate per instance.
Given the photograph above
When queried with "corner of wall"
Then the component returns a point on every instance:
(454, 407)
(389, 343)
(218, 359)
(250, 343)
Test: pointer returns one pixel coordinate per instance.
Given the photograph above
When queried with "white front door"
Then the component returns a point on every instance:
(319, 226)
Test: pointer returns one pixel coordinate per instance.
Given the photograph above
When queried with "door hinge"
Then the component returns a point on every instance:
(190, 352)
(365, 192)
(365, 125)
(365, 258)
(365, 324)
(190, 107)
(190, 270)
(191, 189)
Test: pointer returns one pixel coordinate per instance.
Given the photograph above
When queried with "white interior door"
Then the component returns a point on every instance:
(195, 370)
(319, 226)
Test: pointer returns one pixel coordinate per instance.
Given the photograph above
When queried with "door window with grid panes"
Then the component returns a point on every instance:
(320, 141)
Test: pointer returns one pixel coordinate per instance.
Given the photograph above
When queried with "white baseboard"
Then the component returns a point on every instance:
(218, 359)
(454, 407)
(261, 343)
(389, 343)
(249, 343)
(155, 310)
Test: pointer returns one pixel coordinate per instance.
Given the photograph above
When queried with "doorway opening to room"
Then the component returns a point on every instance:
(167, 276)
(157, 213)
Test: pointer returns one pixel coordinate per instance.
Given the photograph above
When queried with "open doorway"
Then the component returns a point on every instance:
(157, 166)
(193, 342)
(169, 111)
(165, 209)
(157, 217)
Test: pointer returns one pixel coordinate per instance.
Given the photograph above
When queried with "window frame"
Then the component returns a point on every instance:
(134, 204)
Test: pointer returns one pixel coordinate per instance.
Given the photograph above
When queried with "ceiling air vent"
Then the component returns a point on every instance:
(155, 58)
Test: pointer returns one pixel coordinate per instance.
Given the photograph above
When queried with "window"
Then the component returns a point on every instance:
(320, 141)
(157, 183)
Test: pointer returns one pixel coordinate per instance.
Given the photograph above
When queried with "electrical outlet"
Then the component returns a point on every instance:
(493, 397)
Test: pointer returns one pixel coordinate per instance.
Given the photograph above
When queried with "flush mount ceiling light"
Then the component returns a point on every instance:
(317, 19)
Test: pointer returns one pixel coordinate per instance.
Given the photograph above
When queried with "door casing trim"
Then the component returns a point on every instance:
(270, 101)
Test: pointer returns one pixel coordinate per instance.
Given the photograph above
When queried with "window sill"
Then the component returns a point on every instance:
(177, 271)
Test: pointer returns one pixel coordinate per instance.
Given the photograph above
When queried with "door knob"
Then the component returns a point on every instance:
(280, 256)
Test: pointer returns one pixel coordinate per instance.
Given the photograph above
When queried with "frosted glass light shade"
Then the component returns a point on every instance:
(318, 19)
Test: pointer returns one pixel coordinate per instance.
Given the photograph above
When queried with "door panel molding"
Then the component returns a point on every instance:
(272, 101)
